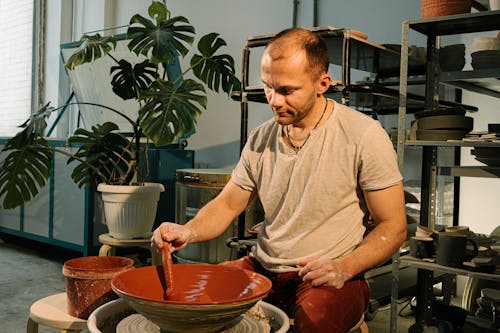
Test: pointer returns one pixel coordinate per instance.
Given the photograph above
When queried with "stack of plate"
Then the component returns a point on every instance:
(442, 124)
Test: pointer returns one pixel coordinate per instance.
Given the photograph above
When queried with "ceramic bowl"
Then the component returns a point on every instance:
(485, 59)
(485, 43)
(452, 57)
(206, 297)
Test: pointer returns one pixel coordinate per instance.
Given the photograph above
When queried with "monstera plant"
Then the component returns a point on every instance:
(169, 106)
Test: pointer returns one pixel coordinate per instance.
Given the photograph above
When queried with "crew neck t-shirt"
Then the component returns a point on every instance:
(313, 199)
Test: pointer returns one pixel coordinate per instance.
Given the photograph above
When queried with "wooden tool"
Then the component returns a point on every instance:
(167, 269)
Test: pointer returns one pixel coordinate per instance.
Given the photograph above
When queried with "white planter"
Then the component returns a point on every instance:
(130, 211)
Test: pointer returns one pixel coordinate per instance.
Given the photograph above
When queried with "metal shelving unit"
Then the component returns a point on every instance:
(351, 52)
(480, 81)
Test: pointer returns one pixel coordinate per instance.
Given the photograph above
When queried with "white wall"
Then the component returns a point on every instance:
(479, 197)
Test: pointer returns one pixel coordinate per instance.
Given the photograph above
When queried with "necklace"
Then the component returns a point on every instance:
(287, 131)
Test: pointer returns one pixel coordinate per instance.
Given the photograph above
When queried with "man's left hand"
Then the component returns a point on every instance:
(323, 271)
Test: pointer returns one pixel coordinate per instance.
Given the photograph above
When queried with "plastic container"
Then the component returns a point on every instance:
(88, 282)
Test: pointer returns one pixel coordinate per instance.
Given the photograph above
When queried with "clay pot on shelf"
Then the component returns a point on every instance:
(434, 8)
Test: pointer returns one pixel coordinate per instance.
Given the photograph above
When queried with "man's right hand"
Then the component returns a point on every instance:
(177, 235)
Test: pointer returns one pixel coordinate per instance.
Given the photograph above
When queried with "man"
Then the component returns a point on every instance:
(319, 169)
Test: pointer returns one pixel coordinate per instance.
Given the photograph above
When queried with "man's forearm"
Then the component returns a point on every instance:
(379, 245)
(210, 221)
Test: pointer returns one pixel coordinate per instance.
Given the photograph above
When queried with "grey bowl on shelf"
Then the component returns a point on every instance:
(485, 59)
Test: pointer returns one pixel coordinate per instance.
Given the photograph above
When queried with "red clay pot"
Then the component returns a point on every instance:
(433, 8)
(88, 282)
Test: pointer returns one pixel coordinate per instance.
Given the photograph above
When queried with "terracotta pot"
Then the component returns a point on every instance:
(433, 8)
(88, 282)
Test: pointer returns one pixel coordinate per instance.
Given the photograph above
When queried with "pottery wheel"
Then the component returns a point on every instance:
(137, 323)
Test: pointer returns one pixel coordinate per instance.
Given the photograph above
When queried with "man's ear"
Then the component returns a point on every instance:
(324, 83)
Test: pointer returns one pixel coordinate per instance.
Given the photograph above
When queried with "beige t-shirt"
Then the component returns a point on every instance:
(313, 200)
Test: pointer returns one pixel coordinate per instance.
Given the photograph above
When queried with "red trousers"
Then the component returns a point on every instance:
(315, 309)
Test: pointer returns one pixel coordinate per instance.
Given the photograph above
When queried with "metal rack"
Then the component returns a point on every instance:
(350, 51)
(480, 81)
(347, 50)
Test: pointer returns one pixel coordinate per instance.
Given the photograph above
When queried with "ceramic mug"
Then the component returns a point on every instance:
(459, 229)
(423, 231)
(421, 247)
(451, 249)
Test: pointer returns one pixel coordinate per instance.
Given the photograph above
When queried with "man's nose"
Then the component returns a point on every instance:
(276, 99)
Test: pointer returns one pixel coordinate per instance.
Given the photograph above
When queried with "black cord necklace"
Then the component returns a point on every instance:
(287, 131)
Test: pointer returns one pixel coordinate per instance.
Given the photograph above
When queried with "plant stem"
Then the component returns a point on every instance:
(70, 155)
(130, 120)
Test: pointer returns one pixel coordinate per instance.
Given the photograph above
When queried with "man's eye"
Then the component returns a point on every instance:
(285, 91)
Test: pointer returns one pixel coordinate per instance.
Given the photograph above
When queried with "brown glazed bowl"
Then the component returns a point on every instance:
(206, 297)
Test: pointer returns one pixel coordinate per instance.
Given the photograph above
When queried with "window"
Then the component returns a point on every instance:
(18, 75)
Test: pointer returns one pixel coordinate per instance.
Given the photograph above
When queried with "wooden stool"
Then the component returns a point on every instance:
(110, 244)
(52, 311)
(361, 326)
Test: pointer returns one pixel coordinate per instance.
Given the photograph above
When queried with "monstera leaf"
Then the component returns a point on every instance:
(91, 48)
(107, 154)
(128, 80)
(26, 168)
(214, 70)
(24, 172)
(171, 111)
(163, 41)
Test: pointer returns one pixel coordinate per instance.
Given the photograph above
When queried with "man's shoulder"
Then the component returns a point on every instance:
(265, 128)
(349, 114)
(356, 125)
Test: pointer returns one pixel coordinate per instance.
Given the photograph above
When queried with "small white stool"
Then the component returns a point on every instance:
(52, 311)
(110, 244)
